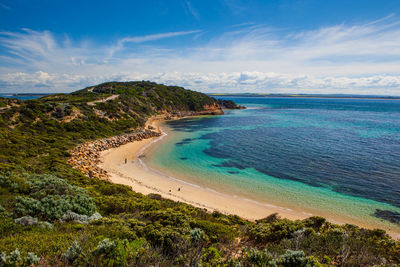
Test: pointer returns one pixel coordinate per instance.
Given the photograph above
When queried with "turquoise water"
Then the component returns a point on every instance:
(338, 158)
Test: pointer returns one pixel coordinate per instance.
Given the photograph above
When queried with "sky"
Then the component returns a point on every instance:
(212, 46)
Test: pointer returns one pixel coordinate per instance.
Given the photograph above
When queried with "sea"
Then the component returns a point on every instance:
(332, 157)
(23, 96)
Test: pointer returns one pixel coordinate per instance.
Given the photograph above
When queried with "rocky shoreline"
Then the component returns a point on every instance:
(86, 157)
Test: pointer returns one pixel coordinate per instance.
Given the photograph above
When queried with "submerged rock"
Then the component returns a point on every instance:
(388, 215)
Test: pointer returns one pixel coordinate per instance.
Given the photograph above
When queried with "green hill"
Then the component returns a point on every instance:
(53, 215)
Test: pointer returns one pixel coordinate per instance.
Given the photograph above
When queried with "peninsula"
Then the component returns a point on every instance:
(63, 202)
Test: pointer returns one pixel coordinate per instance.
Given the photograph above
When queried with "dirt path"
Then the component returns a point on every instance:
(102, 100)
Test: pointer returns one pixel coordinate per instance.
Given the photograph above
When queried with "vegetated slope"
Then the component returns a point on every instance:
(32, 132)
(50, 212)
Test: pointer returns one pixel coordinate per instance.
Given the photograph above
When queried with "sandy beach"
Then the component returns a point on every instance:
(145, 180)
(136, 174)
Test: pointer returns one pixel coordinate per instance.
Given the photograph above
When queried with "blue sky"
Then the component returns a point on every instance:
(307, 46)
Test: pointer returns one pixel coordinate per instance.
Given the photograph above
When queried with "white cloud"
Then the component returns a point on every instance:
(362, 59)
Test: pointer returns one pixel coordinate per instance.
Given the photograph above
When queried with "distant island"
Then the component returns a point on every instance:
(58, 206)
(303, 95)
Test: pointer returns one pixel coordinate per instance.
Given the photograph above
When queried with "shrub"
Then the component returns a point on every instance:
(217, 232)
(275, 231)
(73, 252)
(3, 212)
(261, 258)
(15, 259)
(46, 225)
(26, 221)
(31, 259)
(105, 247)
(169, 239)
(292, 258)
(70, 216)
(211, 257)
(13, 181)
(50, 197)
(59, 112)
(315, 222)
(196, 235)
(297, 259)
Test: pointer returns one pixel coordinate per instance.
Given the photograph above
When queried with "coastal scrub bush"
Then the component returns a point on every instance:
(196, 235)
(71, 216)
(259, 233)
(3, 212)
(315, 222)
(211, 256)
(73, 252)
(49, 197)
(297, 259)
(15, 259)
(169, 239)
(292, 258)
(106, 246)
(13, 182)
(217, 232)
(116, 204)
(31, 259)
(26, 221)
(105, 253)
(263, 232)
(141, 230)
(167, 217)
(261, 258)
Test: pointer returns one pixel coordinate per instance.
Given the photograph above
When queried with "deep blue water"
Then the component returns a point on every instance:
(350, 146)
(21, 97)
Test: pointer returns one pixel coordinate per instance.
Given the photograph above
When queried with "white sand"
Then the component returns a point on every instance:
(144, 180)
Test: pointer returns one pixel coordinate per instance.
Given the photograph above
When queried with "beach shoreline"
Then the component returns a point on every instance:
(146, 180)
(143, 179)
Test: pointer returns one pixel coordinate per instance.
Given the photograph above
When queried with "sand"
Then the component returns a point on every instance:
(145, 180)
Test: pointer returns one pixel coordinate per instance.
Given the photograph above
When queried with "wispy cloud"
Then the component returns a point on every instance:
(363, 58)
(154, 37)
(147, 38)
(191, 9)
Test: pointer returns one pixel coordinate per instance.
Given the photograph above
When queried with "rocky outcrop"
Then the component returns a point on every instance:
(86, 157)
(213, 109)
(229, 104)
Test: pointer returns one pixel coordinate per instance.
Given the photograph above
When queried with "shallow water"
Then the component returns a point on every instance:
(339, 157)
